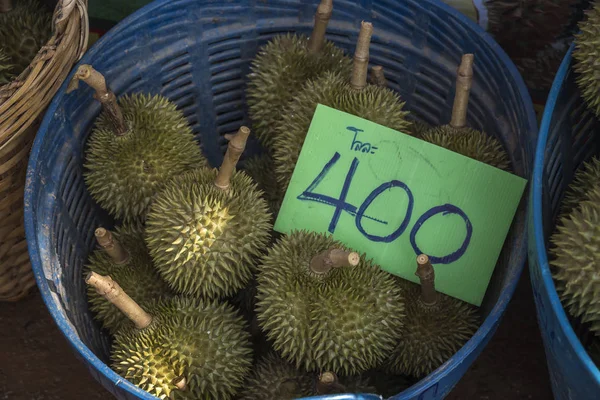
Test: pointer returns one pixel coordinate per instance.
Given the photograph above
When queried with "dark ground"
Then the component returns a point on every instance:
(36, 362)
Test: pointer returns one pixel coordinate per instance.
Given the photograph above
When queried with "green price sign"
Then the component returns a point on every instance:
(393, 196)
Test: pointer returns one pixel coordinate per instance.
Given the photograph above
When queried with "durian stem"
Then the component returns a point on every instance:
(112, 292)
(426, 275)
(323, 262)
(108, 99)
(377, 76)
(180, 382)
(5, 6)
(235, 148)
(322, 17)
(361, 57)
(464, 80)
(328, 383)
(111, 246)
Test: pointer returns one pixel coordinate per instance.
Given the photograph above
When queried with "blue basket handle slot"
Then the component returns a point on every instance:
(333, 257)
(464, 81)
(378, 76)
(426, 275)
(322, 16)
(111, 246)
(235, 148)
(96, 81)
(361, 56)
(112, 292)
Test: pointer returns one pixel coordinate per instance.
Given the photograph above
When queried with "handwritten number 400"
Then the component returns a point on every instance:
(359, 214)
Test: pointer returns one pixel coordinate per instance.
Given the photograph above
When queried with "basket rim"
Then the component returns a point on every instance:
(541, 252)
(478, 341)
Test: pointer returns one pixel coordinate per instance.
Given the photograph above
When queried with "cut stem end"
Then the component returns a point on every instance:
(323, 262)
(464, 81)
(426, 275)
(180, 382)
(361, 57)
(111, 246)
(235, 148)
(322, 17)
(378, 76)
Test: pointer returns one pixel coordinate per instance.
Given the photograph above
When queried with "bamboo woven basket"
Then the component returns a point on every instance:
(22, 105)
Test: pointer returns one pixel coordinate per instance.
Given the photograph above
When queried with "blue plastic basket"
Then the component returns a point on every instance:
(198, 53)
(569, 135)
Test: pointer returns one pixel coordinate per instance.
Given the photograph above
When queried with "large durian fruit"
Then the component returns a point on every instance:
(457, 136)
(24, 30)
(436, 326)
(208, 227)
(355, 96)
(581, 188)
(585, 56)
(575, 260)
(187, 348)
(262, 170)
(283, 65)
(324, 318)
(124, 257)
(5, 68)
(139, 142)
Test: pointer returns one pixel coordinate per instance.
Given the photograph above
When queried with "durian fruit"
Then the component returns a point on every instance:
(585, 57)
(436, 326)
(208, 227)
(461, 139)
(585, 179)
(355, 96)
(419, 128)
(324, 308)
(575, 260)
(275, 379)
(124, 257)
(25, 27)
(135, 148)
(5, 68)
(262, 170)
(180, 347)
(283, 65)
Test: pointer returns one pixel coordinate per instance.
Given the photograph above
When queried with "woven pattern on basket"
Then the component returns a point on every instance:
(22, 103)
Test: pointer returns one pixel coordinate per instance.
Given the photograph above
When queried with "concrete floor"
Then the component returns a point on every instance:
(37, 363)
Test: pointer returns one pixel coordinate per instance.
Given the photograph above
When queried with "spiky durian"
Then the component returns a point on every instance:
(343, 320)
(24, 30)
(585, 179)
(418, 128)
(586, 60)
(207, 228)
(135, 148)
(457, 137)
(575, 260)
(436, 326)
(199, 349)
(5, 68)
(283, 65)
(125, 258)
(374, 103)
(262, 170)
(275, 379)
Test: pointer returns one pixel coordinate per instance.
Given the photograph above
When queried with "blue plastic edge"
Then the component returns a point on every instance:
(536, 198)
(485, 331)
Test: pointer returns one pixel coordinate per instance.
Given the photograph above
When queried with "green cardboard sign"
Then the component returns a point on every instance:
(393, 196)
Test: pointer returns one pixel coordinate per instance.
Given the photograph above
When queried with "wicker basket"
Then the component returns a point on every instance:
(22, 104)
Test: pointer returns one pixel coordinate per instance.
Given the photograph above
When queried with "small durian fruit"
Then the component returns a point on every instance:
(124, 257)
(324, 307)
(5, 68)
(208, 227)
(135, 148)
(281, 68)
(25, 27)
(355, 96)
(581, 188)
(262, 170)
(200, 350)
(436, 326)
(575, 260)
(585, 56)
(275, 379)
(457, 136)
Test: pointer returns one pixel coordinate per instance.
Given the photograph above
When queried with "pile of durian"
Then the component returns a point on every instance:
(574, 254)
(25, 26)
(202, 299)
